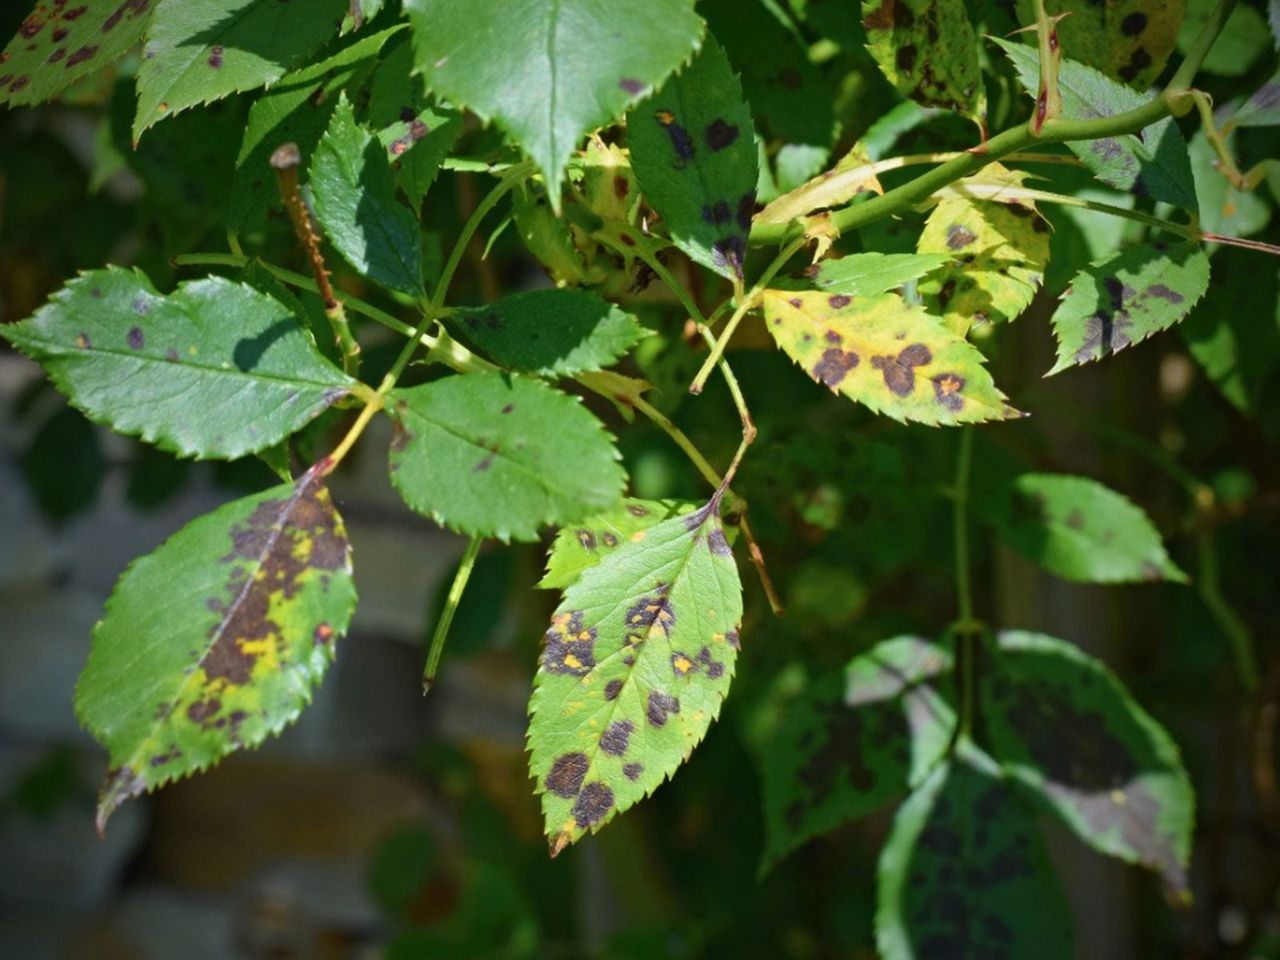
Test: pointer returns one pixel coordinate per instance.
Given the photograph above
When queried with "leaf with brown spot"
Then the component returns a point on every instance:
(1063, 724)
(634, 668)
(1128, 40)
(886, 353)
(585, 544)
(216, 639)
(928, 49)
(854, 740)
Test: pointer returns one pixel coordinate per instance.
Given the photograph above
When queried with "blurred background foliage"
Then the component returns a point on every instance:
(385, 822)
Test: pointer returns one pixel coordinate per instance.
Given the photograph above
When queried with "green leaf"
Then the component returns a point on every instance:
(587, 543)
(55, 46)
(1262, 109)
(1223, 208)
(553, 333)
(855, 740)
(964, 872)
(295, 110)
(214, 369)
(887, 354)
(871, 274)
(564, 67)
(1153, 164)
(928, 50)
(634, 668)
(1238, 45)
(497, 456)
(1234, 332)
(355, 202)
(1119, 301)
(1076, 528)
(693, 151)
(198, 51)
(1128, 40)
(215, 641)
(1061, 723)
(1000, 252)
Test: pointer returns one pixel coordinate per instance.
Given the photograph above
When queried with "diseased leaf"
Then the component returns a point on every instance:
(871, 274)
(855, 740)
(1061, 723)
(964, 872)
(57, 45)
(887, 354)
(928, 50)
(295, 110)
(215, 641)
(1076, 528)
(999, 254)
(355, 202)
(202, 50)
(634, 668)
(587, 543)
(564, 67)
(1128, 40)
(693, 152)
(1151, 164)
(1262, 109)
(214, 369)
(497, 456)
(1223, 208)
(853, 175)
(1119, 301)
(549, 332)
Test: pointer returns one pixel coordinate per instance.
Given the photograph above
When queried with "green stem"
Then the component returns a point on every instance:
(1060, 130)
(451, 603)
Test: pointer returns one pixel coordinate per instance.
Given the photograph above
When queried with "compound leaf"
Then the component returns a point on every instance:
(1128, 40)
(215, 641)
(855, 740)
(497, 456)
(355, 202)
(964, 872)
(928, 50)
(202, 50)
(565, 67)
(886, 353)
(694, 154)
(634, 668)
(57, 45)
(1125, 298)
(1076, 528)
(549, 332)
(214, 369)
(1061, 723)
(1153, 163)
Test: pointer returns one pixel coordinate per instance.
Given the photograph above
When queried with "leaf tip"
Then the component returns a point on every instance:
(557, 843)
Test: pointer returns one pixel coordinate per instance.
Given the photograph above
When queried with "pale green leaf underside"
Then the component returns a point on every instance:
(634, 669)
(587, 543)
(1063, 724)
(214, 369)
(58, 44)
(215, 640)
(198, 51)
(549, 71)
(498, 456)
(1125, 298)
(887, 354)
(871, 274)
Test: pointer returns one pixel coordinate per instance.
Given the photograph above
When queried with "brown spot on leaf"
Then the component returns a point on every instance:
(959, 237)
(632, 771)
(1133, 24)
(587, 539)
(593, 805)
(720, 134)
(612, 689)
(569, 648)
(899, 375)
(81, 55)
(136, 339)
(833, 366)
(630, 85)
(660, 706)
(617, 737)
(215, 57)
(947, 389)
(839, 300)
(566, 774)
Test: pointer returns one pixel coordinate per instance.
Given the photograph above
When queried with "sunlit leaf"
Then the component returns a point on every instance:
(693, 152)
(557, 70)
(1129, 40)
(928, 49)
(855, 740)
(587, 543)
(965, 872)
(56, 45)
(1076, 528)
(498, 456)
(886, 353)
(1119, 301)
(871, 274)
(214, 369)
(215, 640)
(854, 174)
(634, 668)
(202, 50)
(1150, 164)
(549, 332)
(1061, 723)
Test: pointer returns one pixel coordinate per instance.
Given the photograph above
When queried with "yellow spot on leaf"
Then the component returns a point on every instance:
(683, 664)
(637, 536)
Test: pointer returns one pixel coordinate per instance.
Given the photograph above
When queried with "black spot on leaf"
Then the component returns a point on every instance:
(593, 805)
(566, 774)
(616, 738)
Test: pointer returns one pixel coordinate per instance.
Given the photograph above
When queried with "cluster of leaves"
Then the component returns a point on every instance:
(623, 134)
